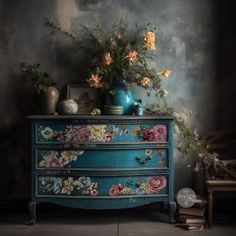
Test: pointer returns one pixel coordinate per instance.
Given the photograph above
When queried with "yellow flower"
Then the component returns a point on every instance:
(149, 39)
(145, 81)
(97, 132)
(165, 72)
(95, 81)
(132, 56)
(135, 130)
(107, 59)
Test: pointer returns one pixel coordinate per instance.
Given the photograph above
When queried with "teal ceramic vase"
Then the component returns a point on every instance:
(123, 97)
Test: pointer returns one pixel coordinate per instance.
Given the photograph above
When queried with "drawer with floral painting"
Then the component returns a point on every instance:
(81, 133)
(101, 160)
(102, 186)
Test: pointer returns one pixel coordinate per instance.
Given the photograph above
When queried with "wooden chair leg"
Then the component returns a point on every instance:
(210, 205)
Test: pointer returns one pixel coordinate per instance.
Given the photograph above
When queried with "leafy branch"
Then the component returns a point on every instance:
(41, 79)
(56, 28)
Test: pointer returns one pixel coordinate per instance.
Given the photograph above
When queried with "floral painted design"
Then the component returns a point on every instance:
(56, 160)
(77, 133)
(103, 133)
(149, 186)
(65, 186)
(118, 189)
(135, 130)
(157, 182)
(156, 133)
(47, 133)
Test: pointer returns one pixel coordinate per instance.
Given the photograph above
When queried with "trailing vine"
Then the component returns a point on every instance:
(190, 143)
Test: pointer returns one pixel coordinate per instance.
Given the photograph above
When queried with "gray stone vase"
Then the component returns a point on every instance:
(49, 99)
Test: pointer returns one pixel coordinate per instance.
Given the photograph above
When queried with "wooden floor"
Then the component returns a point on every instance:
(126, 223)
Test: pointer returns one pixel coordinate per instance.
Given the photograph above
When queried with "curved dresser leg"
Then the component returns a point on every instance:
(32, 212)
(172, 208)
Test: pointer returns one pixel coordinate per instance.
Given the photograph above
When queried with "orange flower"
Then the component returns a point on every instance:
(165, 72)
(145, 81)
(107, 59)
(95, 81)
(132, 56)
(149, 39)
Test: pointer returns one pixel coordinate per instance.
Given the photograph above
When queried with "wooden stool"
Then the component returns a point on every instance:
(217, 186)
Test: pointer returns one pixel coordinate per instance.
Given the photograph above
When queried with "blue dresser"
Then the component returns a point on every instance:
(102, 162)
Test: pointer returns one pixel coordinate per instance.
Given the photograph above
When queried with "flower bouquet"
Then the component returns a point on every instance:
(119, 56)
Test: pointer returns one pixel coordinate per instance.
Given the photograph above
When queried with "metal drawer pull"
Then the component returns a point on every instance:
(143, 161)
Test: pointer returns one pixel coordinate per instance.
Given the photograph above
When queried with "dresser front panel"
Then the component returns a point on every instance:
(59, 132)
(102, 186)
(104, 162)
(98, 160)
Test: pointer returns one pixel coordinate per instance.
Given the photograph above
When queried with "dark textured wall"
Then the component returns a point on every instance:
(226, 74)
(188, 38)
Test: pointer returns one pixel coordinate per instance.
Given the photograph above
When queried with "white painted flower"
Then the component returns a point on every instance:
(68, 156)
(47, 133)
(148, 152)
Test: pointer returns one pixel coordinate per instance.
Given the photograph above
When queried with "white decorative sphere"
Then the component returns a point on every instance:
(68, 107)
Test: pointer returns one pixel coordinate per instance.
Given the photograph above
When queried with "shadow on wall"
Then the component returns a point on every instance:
(24, 38)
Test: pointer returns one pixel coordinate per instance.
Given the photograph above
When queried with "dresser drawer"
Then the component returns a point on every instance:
(100, 160)
(68, 132)
(101, 186)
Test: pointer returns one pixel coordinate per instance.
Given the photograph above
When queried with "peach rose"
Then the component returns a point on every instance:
(82, 134)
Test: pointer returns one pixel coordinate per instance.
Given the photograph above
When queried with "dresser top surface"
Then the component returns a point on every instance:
(102, 117)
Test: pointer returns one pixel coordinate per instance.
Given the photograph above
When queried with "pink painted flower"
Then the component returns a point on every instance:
(53, 161)
(83, 133)
(114, 190)
(120, 186)
(157, 133)
(157, 182)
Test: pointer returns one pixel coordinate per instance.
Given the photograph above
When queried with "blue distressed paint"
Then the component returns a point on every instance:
(107, 158)
(132, 169)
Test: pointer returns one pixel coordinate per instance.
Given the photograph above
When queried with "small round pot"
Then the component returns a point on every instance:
(68, 107)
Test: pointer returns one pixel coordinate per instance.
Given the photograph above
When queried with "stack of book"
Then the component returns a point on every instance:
(193, 218)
